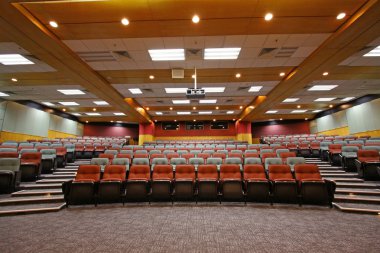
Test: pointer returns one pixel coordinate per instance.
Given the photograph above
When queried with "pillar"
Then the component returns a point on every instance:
(146, 132)
(243, 131)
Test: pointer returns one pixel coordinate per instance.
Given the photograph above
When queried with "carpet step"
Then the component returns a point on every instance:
(31, 209)
(358, 208)
(40, 186)
(64, 173)
(51, 181)
(66, 170)
(25, 193)
(54, 176)
(31, 200)
(357, 199)
(354, 192)
(348, 180)
(338, 175)
(357, 185)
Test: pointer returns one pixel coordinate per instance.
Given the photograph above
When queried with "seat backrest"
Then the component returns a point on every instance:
(141, 172)
(214, 160)
(114, 172)
(288, 154)
(9, 155)
(250, 151)
(10, 164)
(372, 148)
(88, 173)
(230, 171)
(254, 171)
(176, 161)
(271, 161)
(295, 160)
(163, 172)
(125, 151)
(141, 151)
(120, 161)
(108, 156)
(99, 161)
(8, 149)
(335, 146)
(368, 153)
(172, 155)
(128, 156)
(112, 152)
(280, 151)
(140, 161)
(185, 171)
(349, 149)
(268, 155)
(219, 155)
(204, 155)
(233, 160)
(279, 172)
(307, 171)
(31, 157)
(160, 160)
(196, 160)
(141, 155)
(252, 160)
(208, 171)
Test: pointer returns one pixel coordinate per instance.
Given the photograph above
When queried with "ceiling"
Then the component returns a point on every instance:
(92, 51)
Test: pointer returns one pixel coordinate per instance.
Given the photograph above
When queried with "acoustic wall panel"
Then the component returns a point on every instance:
(63, 125)
(364, 117)
(332, 121)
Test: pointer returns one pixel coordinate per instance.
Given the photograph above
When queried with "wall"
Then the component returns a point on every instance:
(111, 130)
(278, 128)
(362, 119)
(20, 123)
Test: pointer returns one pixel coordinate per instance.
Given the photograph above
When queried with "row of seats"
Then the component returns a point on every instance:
(207, 183)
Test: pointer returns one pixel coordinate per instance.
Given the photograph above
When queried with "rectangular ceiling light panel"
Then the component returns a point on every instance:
(222, 53)
(373, 53)
(14, 59)
(167, 54)
(322, 87)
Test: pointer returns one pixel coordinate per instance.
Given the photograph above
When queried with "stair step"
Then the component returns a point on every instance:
(358, 208)
(24, 193)
(31, 200)
(30, 209)
(357, 185)
(348, 180)
(40, 186)
(66, 170)
(68, 177)
(342, 175)
(51, 181)
(64, 173)
(354, 192)
(357, 199)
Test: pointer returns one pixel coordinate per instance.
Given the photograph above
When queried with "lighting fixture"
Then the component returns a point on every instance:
(14, 79)
(63, 109)
(175, 90)
(175, 120)
(125, 21)
(119, 113)
(151, 77)
(147, 108)
(217, 107)
(325, 73)
(100, 102)
(158, 113)
(373, 53)
(167, 54)
(268, 16)
(222, 53)
(77, 114)
(48, 104)
(290, 100)
(233, 119)
(71, 92)
(69, 103)
(155, 120)
(324, 99)
(251, 107)
(194, 108)
(53, 24)
(322, 87)
(86, 121)
(298, 106)
(207, 101)
(238, 75)
(193, 76)
(195, 19)
(185, 101)
(135, 91)
(298, 111)
(94, 109)
(341, 15)
(331, 106)
(317, 111)
(214, 120)
(205, 112)
(214, 89)
(255, 88)
(241, 107)
(111, 121)
(14, 59)
(280, 118)
(347, 99)
(119, 121)
(171, 108)
(271, 112)
(183, 113)
(282, 74)
(230, 112)
(194, 120)
(306, 118)
(93, 113)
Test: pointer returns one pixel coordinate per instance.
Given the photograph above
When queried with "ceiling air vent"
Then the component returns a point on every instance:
(242, 88)
(147, 90)
(285, 52)
(229, 100)
(109, 56)
(282, 52)
(178, 73)
(194, 54)
(159, 101)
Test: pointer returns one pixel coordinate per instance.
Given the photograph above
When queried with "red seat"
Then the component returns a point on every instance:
(280, 173)
(188, 156)
(114, 173)
(109, 156)
(88, 173)
(172, 155)
(368, 155)
(219, 155)
(139, 172)
(231, 184)
(256, 155)
(204, 155)
(307, 172)
(256, 183)
(268, 155)
(207, 172)
(284, 185)
(185, 172)
(152, 156)
(284, 156)
(254, 172)
(140, 156)
(163, 172)
(335, 148)
(9, 155)
(184, 181)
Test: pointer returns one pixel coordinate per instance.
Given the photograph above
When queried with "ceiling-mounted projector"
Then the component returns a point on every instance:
(195, 93)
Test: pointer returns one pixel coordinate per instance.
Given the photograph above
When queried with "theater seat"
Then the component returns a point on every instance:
(138, 183)
(9, 174)
(207, 182)
(284, 185)
(162, 178)
(112, 185)
(367, 164)
(30, 166)
(348, 157)
(9, 155)
(48, 160)
(61, 157)
(257, 186)
(231, 182)
(110, 157)
(313, 189)
(82, 189)
(184, 182)
(333, 153)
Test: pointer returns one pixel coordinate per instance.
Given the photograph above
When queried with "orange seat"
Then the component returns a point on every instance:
(284, 156)
(254, 172)
(163, 172)
(230, 172)
(114, 173)
(368, 155)
(109, 156)
(207, 172)
(307, 172)
(139, 172)
(279, 172)
(185, 172)
(88, 173)
(140, 156)
(8, 155)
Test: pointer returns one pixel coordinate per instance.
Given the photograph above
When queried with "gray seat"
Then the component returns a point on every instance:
(195, 152)
(48, 160)
(254, 151)
(291, 161)
(181, 152)
(102, 162)
(8, 150)
(112, 151)
(154, 151)
(196, 161)
(141, 151)
(124, 151)
(176, 161)
(121, 161)
(158, 160)
(167, 151)
(281, 150)
(252, 160)
(10, 175)
(27, 150)
(234, 160)
(272, 161)
(348, 156)
(237, 151)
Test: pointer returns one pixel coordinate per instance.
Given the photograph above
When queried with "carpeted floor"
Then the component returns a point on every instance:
(187, 227)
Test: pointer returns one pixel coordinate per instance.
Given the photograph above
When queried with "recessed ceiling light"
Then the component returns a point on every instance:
(298, 106)
(151, 77)
(325, 73)
(93, 113)
(71, 92)
(53, 24)
(373, 53)
(194, 120)
(317, 111)
(217, 107)
(125, 21)
(155, 120)
(233, 119)
(111, 121)
(280, 118)
(158, 113)
(282, 74)
(94, 109)
(251, 107)
(184, 101)
(230, 112)
(238, 75)
(147, 108)
(268, 16)
(255, 88)
(175, 120)
(298, 111)
(324, 99)
(322, 87)
(14, 59)
(341, 15)
(207, 101)
(119, 121)
(100, 102)
(331, 106)
(195, 19)
(183, 113)
(194, 108)
(167, 54)
(241, 107)
(86, 121)
(221, 53)
(214, 120)
(135, 91)
(290, 100)
(205, 112)
(76, 114)
(306, 118)
(175, 90)
(14, 79)
(171, 108)
(119, 113)
(214, 89)
(347, 99)
(64, 109)
(48, 104)
(193, 76)
(69, 103)
(271, 112)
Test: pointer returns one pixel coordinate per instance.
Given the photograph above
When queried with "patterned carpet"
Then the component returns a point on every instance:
(187, 227)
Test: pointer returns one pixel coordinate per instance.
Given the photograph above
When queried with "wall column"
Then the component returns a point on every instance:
(243, 131)
(146, 132)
